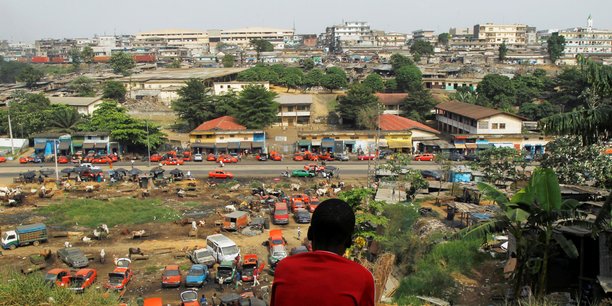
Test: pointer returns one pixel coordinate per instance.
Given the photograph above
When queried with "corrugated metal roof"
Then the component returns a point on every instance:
(225, 123)
(472, 111)
(397, 123)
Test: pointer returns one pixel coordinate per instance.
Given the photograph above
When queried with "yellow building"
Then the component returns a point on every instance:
(225, 135)
(354, 141)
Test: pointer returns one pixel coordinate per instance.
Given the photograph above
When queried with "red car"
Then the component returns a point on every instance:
(211, 157)
(366, 157)
(82, 280)
(2, 159)
(300, 197)
(220, 174)
(424, 157)
(23, 160)
(171, 277)
(298, 157)
(261, 157)
(251, 267)
(314, 202)
(314, 167)
(297, 204)
(276, 157)
(121, 275)
(101, 160)
(63, 160)
(113, 158)
(326, 157)
(57, 277)
(190, 298)
(156, 158)
(172, 162)
(276, 238)
(227, 159)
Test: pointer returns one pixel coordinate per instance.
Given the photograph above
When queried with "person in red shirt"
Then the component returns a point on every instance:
(323, 277)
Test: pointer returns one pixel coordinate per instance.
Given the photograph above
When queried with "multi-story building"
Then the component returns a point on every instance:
(221, 88)
(389, 39)
(243, 37)
(293, 109)
(226, 135)
(587, 41)
(194, 40)
(463, 118)
(493, 35)
(461, 31)
(54, 47)
(426, 35)
(348, 34)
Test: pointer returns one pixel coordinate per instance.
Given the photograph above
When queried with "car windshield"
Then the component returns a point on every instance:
(51, 276)
(279, 253)
(277, 241)
(4, 236)
(229, 250)
(115, 278)
(189, 296)
(76, 282)
(196, 272)
(225, 271)
(248, 270)
(171, 273)
(281, 212)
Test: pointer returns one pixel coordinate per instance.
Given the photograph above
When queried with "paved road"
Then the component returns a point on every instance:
(247, 168)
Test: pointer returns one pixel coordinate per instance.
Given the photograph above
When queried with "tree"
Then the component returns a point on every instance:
(9, 71)
(499, 165)
(261, 45)
(83, 86)
(443, 38)
(398, 61)
(176, 63)
(375, 82)
(418, 105)
(28, 112)
(292, 78)
(256, 108)
(195, 104)
(409, 79)
(114, 119)
(528, 87)
(314, 78)
(122, 63)
(578, 164)
(464, 94)
(64, 118)
(228, 61)
(390, 85)
(335, 78)
(359, 96)
(368, 117)
(226, 104)
(496, 91)
(30, 76)
(535, 112)
(420, 48)
(502, 51)
(87, 55)
(555, 46)
(75, 57)
(114, 90)
(308, 64)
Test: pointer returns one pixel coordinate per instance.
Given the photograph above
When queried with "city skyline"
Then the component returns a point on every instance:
(66, 19)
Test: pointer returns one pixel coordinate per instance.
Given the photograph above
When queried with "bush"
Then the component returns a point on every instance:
(92, 213)
(19, 289)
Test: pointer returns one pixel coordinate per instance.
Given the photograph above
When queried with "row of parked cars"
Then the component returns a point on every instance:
(84, 278)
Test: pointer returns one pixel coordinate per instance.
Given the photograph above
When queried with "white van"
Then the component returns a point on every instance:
(222, 247)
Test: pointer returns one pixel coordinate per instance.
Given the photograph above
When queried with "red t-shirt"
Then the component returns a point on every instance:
(321, 278)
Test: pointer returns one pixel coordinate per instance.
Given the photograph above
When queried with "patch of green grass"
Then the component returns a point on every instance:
(191, 204)
(152, 269)
(92, 213)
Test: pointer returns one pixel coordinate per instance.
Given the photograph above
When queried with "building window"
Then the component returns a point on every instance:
(502, 126)
(209, 136)
(89, 137)
(483, 124)
(494, 126)
(198, 136)
(222, 137)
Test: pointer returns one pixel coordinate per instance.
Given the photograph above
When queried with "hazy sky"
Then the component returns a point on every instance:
(27, 20)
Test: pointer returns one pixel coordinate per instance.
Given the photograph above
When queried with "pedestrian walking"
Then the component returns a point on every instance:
(102, 255)
(132, 162)
(299, 232)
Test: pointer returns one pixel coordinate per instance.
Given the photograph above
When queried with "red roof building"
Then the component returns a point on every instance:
(225, 123)
(398, 123)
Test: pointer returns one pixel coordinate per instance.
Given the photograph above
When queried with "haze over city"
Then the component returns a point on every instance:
(28, 20)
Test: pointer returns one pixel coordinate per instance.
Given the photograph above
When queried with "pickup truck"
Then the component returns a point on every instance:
(32, 234)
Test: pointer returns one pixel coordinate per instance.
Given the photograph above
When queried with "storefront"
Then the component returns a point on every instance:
(327, 145)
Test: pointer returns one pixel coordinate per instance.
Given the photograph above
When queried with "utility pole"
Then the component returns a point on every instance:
(55, 144)
(148, 143)
(11, 134)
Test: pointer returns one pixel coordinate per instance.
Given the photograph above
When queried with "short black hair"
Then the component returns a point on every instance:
(332, 224)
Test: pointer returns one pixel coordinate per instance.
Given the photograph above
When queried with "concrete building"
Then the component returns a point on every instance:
(426, 35)
(587, 41)
(54, 47)
(221, 88)
(293, 109)
(194, 40)
(468, 31)
(463, 118)
(358, 142)
(348, 34)
(421, 133)
(391, 102)
(493, 35)
(226, 135)
(83, 105)
(242, 37)
(389, 39)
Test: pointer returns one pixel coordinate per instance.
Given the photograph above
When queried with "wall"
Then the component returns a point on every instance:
(513, 125)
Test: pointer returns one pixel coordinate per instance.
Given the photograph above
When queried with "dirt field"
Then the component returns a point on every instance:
(164, 242)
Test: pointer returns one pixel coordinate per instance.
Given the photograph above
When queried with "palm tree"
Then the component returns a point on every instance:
(531, 216)
(64, 119)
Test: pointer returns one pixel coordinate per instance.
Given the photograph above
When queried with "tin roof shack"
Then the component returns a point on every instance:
(235, 221)
(469, 214)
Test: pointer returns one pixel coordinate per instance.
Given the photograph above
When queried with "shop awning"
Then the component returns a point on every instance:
(471, 146)
(233, 145)
(316, 143)
(205, 145)
(460, 146)
(245, 144)
(64, 145)
(484, 145)
(327, 143)
(77, 143)
(399, 144)
(349, 142)
(40, 145)
(304, 143)
(101, 145)
(383, 143)
(438, 143)
(221, 145)
(89, 145)
(257, 144)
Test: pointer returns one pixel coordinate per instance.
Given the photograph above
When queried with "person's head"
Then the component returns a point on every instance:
(332, 226)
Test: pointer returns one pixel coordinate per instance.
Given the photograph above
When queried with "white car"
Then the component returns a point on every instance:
(198, 157)
(90, 166)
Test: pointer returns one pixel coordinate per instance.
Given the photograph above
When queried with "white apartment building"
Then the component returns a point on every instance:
(348, 34)
(491, 36)
(426, 35)
(243, 37)
(189, 39)
(221, 88)
(463, 118)
(587, 41)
